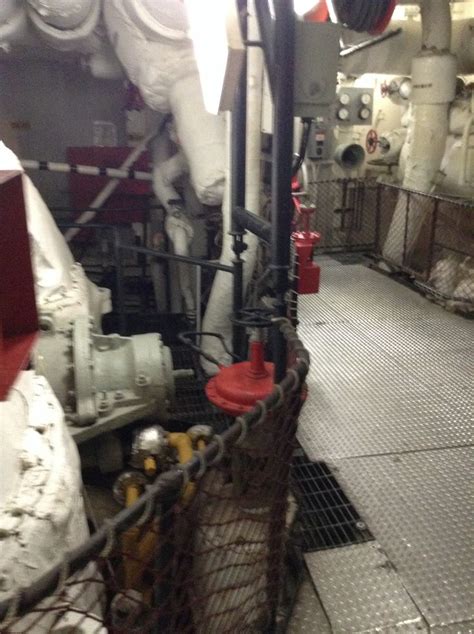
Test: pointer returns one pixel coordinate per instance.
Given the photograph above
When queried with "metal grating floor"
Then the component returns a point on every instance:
(327, 518)
(390, 410)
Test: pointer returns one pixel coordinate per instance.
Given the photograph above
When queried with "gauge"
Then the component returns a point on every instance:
(344, 98)
(364, 113)
(343, 114)
(404, 89)
(366, 98)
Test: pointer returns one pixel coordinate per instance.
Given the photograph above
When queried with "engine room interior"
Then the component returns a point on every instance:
(236, 316)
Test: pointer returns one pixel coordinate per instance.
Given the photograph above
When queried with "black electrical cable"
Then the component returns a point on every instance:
(361, 15)
(303, 146)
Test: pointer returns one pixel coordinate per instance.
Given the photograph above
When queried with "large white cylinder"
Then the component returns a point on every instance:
(63, 14)
(433, 88)
(66, 25)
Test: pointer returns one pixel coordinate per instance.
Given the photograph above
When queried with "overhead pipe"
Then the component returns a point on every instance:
(13, 22)
(66, 25)
(433, 89)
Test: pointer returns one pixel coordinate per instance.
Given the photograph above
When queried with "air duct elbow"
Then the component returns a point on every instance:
(349, 156)
(64, 24)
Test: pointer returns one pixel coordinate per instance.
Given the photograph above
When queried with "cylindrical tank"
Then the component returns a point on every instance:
(42, 514)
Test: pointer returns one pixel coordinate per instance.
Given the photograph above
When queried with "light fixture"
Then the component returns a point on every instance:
(218, 48)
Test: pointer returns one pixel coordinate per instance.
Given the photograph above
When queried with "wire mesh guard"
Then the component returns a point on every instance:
(201, 550)
(431, 238)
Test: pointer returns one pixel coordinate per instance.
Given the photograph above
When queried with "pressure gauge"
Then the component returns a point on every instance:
(404, 89)
(365, 98)
(364, 113)
(343, 114)
(344, 98)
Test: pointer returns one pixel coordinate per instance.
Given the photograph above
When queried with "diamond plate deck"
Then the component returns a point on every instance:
(390, 407)
(308, 614)
(398, 380)
(361, 591)
(420, 508)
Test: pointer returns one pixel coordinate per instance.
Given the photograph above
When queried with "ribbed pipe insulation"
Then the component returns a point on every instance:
(433, 88)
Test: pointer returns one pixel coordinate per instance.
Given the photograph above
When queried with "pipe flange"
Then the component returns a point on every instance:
(83, 376)
(127, 479)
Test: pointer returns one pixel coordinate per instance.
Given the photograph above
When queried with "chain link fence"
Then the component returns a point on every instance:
(200, 549)
(429, 237)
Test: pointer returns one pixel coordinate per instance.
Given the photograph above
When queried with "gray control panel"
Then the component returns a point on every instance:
(354, 106)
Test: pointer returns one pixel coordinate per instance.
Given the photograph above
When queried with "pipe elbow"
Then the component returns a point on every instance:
(211, 191)
(13, 22)
(64, 24)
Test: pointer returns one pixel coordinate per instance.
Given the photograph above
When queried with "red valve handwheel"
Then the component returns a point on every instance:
(371, 141)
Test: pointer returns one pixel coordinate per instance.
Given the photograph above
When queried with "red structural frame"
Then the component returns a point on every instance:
(18, 315)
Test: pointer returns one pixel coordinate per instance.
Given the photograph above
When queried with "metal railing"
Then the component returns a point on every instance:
(428, 237)
(200, 551)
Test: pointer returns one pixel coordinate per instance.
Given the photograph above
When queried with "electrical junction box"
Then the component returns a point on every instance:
(354, 106)
(320, 142)
(316, 66)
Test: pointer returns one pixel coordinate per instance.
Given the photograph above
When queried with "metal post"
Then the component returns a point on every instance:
(378, 214)
(405, 233)
(119, 282)
(282, 158)
(434, 223)
(239, 127)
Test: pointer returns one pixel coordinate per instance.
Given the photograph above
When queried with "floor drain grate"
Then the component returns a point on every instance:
(327, 519)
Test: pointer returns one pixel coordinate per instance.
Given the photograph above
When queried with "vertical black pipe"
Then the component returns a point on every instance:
(237, 196)
(282, 157)
(266, 28)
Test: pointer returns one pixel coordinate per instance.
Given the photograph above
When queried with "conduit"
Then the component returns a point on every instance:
(433, 89)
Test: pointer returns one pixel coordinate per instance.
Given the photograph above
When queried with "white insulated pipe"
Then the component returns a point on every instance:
(13, 22)
(62, 14)
(216, 318)
(433, 89)
(109, 189)
(65, 24)
(167, 169)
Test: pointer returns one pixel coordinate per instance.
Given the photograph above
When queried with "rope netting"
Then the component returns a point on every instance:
(201, 549)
